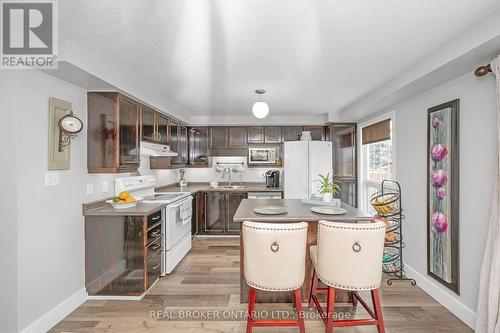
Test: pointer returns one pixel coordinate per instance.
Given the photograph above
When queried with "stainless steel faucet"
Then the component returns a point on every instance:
(224, 174)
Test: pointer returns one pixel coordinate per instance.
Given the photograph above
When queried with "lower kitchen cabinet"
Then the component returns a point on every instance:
(122, 254)
(215, 216)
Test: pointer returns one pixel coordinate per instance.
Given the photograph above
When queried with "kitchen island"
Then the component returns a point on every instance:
(296, 212)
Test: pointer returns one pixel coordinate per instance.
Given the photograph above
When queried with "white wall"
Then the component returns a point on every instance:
(9, 129)
(50, 226)
(477, 167)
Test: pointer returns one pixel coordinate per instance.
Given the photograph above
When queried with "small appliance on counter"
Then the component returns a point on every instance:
(273, 178)
(182, 182)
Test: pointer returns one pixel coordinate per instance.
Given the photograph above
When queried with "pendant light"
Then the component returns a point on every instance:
(260, 109)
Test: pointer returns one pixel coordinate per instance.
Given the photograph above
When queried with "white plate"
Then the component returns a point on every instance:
(123, 205)
(327, 210)
(270, 210)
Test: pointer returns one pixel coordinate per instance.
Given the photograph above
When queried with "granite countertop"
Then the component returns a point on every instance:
(204, 187)
(101, 208)
(297, 212)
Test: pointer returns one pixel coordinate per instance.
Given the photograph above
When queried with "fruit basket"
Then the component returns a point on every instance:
(386, 204)
(124, 200)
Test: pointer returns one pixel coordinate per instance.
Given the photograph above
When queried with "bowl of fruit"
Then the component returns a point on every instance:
(124, 200)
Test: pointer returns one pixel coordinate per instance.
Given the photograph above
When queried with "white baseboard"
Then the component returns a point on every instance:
(58, 313)
(444, 298)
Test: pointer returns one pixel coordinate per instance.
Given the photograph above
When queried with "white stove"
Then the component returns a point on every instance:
(176, 216)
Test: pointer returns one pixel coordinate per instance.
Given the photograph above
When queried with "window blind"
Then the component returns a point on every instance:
(377, 132)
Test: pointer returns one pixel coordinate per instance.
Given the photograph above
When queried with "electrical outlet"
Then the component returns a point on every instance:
(51, 178)
(105, 187)
(90, 189)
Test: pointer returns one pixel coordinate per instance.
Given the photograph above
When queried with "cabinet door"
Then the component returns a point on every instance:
(162, 129)
(214, 213)
(174, 137)
(255, 135)
(233, 201)
(291, 133)
(317, 132)
(218, 137)
(182, 159)
(272, 134)
(237, 137)
(198, 146)
(129, 134)
(343, 137)
(148, 124)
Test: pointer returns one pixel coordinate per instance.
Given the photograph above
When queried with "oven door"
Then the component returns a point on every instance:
(177, 222)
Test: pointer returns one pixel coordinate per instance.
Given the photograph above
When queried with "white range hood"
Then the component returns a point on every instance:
(154, 149)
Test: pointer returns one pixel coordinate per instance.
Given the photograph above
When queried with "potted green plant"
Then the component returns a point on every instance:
(328, 186)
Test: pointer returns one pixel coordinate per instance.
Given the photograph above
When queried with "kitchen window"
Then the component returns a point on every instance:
(377, 157)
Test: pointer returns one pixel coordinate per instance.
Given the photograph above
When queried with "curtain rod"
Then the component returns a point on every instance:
(483, 70)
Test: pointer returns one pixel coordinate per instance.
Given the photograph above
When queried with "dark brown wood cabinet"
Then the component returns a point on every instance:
(237, 137)
(162, 127)
(198, 146)
(317, 132)
(291, 133)
(178, 140)
(122, 254)
(218, 137)
(148, 124)
(255, 135)
(113, 133)
(217, 211)
(272, 135)
(213, 219)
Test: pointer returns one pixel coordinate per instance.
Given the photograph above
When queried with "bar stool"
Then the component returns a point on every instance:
(274, 260)
(348, 257)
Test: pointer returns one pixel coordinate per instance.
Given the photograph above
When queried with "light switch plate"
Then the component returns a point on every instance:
(105, 187)
(90, 189)
(51, 178)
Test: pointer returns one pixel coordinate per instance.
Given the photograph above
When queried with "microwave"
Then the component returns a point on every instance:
(262, 155)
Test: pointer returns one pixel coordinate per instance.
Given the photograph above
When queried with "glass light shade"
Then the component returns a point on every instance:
(260, 109)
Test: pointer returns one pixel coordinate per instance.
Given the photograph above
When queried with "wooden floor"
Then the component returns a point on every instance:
(206, 283)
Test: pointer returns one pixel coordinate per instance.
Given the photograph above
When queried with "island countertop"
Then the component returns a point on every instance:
(297, 212)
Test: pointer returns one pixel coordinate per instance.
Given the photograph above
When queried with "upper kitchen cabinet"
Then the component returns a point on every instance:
(255, 134)
(113, 133)
(148, 124)
(237, 137)
(317, 132)
(291, 133)
(198, 146)
(162, 126)
(218, 137)
(154, 126)
(178, 141)
(272, 135)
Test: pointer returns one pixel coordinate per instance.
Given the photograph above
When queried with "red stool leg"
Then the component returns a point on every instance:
(330, 309)
(297, 296)
(378, 311)
(251, 306)
(314, 285)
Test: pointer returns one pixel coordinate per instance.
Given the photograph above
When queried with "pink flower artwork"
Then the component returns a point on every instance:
(441, 193)
(439, 152)
(439, 177)
(439, 222)
(436, 122)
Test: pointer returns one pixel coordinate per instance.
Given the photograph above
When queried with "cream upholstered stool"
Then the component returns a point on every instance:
(274, 260)
(348, 257)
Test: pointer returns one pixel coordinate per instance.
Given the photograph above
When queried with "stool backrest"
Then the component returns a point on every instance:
(274, 255)
(350, 254)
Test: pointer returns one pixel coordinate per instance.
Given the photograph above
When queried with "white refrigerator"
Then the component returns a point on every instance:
(304, 160)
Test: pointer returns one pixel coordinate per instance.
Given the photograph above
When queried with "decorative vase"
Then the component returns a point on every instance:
(305, 136)
(327, 197)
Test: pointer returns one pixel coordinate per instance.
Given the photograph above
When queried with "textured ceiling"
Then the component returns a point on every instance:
(313, 57)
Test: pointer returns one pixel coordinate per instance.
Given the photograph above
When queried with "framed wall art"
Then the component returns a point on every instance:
(443, 194)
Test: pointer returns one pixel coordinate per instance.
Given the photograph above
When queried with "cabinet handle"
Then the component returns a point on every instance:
(156, 218)
(155, 247)
(156, 267)
(156, 233)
